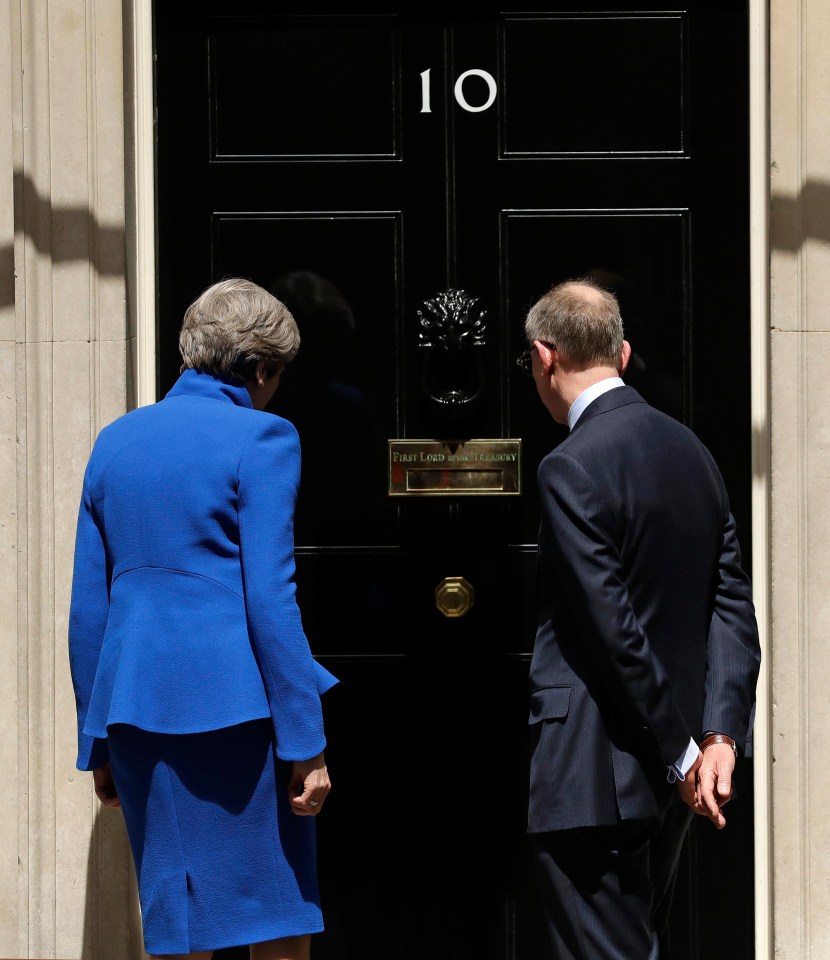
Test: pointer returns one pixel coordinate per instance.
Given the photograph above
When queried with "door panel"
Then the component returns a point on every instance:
(260, 63)
(339, 273)
(559, 102)
(293, 149)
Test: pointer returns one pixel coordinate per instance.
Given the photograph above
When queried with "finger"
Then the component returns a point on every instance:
(688, 799)
(724, 787)
(710, 805)
(299, 787)
(312, 799)
(309, 802)
(702, 810)
(708, 782)
(302, 793)
(312, 788)
(306, 810)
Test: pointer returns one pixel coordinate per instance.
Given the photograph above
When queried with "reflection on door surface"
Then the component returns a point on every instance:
(359, 165)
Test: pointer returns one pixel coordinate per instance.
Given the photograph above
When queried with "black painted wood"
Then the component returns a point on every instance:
(292, 149)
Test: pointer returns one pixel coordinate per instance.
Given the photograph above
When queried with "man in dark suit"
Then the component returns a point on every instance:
(646, 655)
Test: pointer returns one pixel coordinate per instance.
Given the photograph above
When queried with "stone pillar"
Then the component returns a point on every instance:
(65, 879)
(800, 407)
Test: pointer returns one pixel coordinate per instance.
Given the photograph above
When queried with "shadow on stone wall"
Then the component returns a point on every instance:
(112, 923)
(806, 216)
(6, 276)
(63, 233)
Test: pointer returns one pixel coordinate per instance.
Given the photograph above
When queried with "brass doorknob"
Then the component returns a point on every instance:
(454, 596)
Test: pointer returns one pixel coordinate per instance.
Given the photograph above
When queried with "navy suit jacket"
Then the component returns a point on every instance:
(646, 632)
(183, 615)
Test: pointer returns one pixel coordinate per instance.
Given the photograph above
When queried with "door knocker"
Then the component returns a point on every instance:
(451, 342)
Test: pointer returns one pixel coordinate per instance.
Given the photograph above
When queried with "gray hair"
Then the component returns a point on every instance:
(582, 320)
(233, 325)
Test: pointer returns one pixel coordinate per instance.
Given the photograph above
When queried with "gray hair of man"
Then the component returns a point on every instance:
(233, 325)
(582, 320)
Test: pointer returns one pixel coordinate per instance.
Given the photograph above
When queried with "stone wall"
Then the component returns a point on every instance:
(64, 372)
(800, 404)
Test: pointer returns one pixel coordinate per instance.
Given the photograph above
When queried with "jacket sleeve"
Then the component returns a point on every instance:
(268, 479)
(88, 615)
(733, 652)
(589, 563)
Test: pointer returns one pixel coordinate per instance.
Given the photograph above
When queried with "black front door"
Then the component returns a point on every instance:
(359, 164)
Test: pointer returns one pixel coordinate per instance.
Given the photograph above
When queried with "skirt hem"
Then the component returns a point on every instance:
(278, 932)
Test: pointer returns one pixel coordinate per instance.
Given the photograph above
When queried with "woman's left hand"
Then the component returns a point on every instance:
(105, 786)
(309, 786)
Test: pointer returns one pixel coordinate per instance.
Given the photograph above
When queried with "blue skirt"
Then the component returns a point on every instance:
(220, 858)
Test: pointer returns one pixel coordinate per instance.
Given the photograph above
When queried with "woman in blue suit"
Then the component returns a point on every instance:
(198, 698)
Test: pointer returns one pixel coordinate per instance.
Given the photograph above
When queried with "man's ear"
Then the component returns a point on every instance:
(545, 356)
(625, 356)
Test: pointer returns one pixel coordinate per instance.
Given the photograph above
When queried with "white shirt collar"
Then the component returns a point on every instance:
(588, 396)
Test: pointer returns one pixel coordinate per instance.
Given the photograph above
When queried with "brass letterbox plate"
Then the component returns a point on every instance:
(462, 468)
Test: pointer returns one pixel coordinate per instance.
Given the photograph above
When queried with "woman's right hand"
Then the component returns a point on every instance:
(309, 786)
(105, 786)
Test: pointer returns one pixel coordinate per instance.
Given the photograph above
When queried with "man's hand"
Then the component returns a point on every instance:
(105, 786)
(309, 786)
(715, 782)
(688, 788)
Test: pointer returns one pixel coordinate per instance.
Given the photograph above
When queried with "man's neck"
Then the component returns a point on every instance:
(575, 382)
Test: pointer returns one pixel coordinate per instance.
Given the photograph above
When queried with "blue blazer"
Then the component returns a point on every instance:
(183, 615)
(646, 633)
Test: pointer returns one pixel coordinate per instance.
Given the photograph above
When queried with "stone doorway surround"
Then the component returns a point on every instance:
(71, 289)
(77, 334)
(799, 393)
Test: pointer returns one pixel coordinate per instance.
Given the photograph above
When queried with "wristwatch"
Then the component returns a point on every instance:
(719, 738)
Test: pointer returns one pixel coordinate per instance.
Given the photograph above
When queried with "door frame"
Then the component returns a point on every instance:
(139, 115)
(142, 292)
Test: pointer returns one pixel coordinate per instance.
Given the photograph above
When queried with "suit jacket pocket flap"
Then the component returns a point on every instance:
(549, 703)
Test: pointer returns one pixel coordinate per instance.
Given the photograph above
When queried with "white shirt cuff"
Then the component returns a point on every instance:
(684, 763)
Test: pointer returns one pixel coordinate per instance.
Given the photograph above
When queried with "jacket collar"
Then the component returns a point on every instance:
(619, 397)
(211, 386)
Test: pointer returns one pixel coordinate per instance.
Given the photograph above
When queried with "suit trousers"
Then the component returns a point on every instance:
(607, 891)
